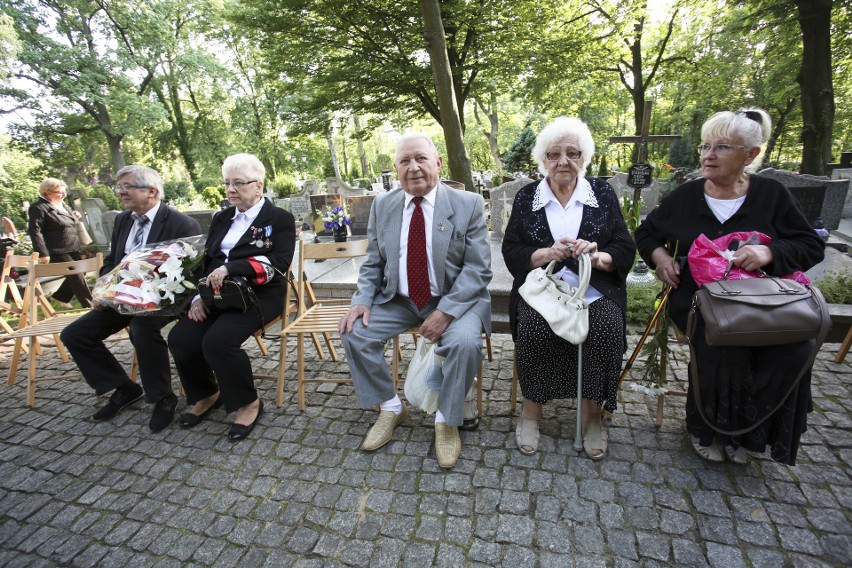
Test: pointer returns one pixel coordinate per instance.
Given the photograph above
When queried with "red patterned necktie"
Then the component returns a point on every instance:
(418, 269)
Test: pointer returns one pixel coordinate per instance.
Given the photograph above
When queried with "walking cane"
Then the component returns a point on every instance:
(578, 431)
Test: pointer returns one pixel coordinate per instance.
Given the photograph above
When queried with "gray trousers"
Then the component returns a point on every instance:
(460, 346)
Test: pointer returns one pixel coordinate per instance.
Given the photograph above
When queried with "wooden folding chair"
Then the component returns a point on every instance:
(322, 317)
(52, 322)
(8, 287)
(844, 348)
(396, 359)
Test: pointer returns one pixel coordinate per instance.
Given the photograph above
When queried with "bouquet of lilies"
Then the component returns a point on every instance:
(156, 279)
(334, 219)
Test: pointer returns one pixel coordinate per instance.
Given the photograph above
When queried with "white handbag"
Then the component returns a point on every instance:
(562, 306)
(425, 376)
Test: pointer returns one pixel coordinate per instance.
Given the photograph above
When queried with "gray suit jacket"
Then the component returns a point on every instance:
(461, 254)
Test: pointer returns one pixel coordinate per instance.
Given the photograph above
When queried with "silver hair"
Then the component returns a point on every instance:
(752, 125)
(247, 164)
(413, 136)
(143, 176)
(558, 129)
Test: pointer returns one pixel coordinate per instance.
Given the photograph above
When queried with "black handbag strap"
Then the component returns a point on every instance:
(825, 326)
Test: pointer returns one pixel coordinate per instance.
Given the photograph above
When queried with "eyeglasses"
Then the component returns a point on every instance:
(118, 188)
(237, 183)
(570, 154)
(720, 149)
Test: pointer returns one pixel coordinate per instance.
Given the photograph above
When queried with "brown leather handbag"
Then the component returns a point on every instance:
(756, 312)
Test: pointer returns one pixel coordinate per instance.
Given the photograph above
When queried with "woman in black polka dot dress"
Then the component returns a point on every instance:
(559, 218)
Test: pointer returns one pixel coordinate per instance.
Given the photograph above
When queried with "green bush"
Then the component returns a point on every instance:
(836, 287)
(283, 186)
(213, 195)
(107, 195)
(640, 304)
(177, 190)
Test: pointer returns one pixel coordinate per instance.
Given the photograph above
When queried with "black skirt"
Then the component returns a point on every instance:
(741, 385)
(547, 364)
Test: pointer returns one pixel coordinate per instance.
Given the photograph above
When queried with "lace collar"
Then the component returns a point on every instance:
(582, 193)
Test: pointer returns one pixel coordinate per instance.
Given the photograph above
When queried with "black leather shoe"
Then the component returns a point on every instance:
(163, 414)
(190, 420)
(121, 398)
(470, 424)
(240, 431)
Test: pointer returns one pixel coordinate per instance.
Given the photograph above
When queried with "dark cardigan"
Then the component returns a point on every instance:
(528, 231)
(768, 207)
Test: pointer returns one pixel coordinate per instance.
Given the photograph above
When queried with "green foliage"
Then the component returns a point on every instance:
(283, 186)
(212, 195)
(20, 176)
(518, 158)
(836, 286)
(107, 195)
(682, 153)
(632, 212)
(603, 170)
(640, 304)
(178, 190)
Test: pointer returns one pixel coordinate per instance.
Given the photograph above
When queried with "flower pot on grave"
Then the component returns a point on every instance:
(340, 235)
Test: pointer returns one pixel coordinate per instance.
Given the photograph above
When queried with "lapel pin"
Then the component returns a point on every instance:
(441, 227)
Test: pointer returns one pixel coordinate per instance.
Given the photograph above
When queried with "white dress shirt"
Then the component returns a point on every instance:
(239, 225)
(150, 214)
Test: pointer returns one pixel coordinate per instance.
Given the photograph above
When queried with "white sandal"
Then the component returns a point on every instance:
(711, 453)
(739, 456)
(527, 435)
(595, 440)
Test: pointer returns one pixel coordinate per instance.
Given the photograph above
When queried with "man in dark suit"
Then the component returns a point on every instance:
(144, 220)
(429, 264)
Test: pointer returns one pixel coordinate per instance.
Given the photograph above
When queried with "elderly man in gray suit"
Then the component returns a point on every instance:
(439, 282)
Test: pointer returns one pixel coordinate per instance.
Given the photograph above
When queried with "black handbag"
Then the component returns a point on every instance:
(235, 295)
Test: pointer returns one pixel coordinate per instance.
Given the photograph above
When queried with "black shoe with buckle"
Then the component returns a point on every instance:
(120, 399)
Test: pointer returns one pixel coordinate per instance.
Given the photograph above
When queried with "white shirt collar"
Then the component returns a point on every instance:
(252, 212)
(429, 197)
(152, 212)
(583, 194)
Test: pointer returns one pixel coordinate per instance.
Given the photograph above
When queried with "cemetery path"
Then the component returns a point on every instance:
(300, 492)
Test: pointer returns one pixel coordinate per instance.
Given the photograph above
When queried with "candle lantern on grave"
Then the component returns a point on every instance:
(386, 179)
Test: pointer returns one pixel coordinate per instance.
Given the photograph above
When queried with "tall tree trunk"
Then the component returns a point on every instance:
(816, 83)
(361, 154)
(115, 153)
(493, 127)
(330, 140)
(436, 44)
(778, 127)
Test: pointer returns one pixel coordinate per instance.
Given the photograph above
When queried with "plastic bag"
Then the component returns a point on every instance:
(425, 376)
(155, 279)
(710, 261)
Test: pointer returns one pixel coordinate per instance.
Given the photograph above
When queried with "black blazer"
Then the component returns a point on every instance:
(168, 224)
(52, 230)
(528, 231)
(278, 245)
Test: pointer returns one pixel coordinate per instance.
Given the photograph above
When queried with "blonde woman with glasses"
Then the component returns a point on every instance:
(739, 385)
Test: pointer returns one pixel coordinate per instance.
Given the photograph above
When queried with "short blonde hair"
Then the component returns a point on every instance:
(50, 184)
(560, 128)
(752, 125)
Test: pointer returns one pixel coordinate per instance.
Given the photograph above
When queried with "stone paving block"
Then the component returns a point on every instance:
(688, 553)
(799, 540)
(419, 554)
(722, 556)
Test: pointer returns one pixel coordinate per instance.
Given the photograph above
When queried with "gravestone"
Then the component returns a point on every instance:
(502, 198)
(93, 212)
(300, 207)
(359, 210)
(819, 196)
(844, 173)
(650, 195)
(312, 186)
(109, 222)
(204, 218)
(283, 203)
(332, 185)
(319, 203)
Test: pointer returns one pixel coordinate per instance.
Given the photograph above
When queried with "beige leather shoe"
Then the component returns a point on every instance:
(447, 444)
(382, 431)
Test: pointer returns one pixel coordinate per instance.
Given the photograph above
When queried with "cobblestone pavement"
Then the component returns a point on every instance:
(299, 491)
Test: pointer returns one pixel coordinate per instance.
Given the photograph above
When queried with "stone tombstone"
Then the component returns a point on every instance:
(204, 218)
(502, 198)
(359, 209)
(332, 185)
(839, 174)
(312, 186)
(819, 196)
(300, 207)
(109, 222)
(319, 203)
(650, 195)
(283, 203)
(93, 212)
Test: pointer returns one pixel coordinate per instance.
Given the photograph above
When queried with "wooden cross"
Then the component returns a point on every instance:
(643, 138)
